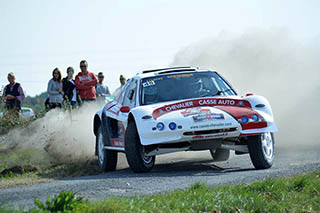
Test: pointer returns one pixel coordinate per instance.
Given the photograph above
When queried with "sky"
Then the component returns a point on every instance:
(126, 37)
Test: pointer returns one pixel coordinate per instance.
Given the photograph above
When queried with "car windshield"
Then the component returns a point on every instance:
(183, 86)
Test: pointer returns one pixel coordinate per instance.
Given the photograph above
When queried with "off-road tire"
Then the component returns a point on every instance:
(135, 151)
(220, 154)
(107, 159)
(261, 150)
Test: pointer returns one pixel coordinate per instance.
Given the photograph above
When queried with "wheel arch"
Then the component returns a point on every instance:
(96, 124)
(131, 118)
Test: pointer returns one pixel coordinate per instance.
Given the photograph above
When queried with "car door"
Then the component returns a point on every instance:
(129, 101)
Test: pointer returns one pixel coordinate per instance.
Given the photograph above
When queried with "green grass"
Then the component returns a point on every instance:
(22, 166)
(294, 194)
(291, 194)
(48, 174)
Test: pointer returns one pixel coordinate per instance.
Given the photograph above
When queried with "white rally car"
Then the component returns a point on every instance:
(182, 109)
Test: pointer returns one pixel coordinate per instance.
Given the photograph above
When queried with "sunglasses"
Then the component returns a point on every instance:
(100, 76)
(83, 66)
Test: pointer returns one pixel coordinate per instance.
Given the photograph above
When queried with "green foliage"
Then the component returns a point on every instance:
(11, 119)
(290, 194)
(293, 194)
(36, 103)
(64, 202)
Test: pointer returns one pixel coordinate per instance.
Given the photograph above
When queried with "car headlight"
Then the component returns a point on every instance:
(255, 118)
(172, 125)
(160, 126)
(244, 119)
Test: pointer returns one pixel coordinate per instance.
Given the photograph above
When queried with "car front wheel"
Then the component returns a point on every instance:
(135, 152)
(107, 159)
(261, 150)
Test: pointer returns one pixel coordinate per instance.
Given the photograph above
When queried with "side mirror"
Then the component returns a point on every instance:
(125, 109)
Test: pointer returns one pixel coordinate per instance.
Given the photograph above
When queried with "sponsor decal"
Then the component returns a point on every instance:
(180, 76)
(240, 103)
(199, 102)
(212, 125)
(114, 109)
(208, 117)
(195, 111)
(161, 111)
(117, 142)
(210, 136)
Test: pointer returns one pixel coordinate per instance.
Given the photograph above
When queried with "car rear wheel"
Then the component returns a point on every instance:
(220, 154)
(107, 159)
(261, 150)
(135, 152)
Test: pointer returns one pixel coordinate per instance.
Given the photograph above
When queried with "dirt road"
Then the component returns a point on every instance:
(172, 171)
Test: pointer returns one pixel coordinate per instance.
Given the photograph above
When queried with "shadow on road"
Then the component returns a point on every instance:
(175, 169)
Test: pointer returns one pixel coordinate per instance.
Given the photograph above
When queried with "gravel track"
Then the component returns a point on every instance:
(172, 171)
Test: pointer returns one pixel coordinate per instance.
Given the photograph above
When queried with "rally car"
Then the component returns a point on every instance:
(182, 109)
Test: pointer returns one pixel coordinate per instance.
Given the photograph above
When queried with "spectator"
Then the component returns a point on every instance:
(55, 90)
(69, 88)
(122, 80)
(122, 83)
(13, 94)
(102, 90)
(86, 82)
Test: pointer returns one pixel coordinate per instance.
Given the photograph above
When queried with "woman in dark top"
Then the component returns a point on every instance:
(69, 88)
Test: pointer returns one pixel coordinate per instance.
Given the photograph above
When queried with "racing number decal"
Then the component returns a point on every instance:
(148, 83)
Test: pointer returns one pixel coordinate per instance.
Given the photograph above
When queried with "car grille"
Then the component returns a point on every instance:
(210, 131)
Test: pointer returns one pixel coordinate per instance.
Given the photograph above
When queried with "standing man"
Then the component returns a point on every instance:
(13, 94)
(86, 82)
(102, 90)
(122, 83)
(122, 80)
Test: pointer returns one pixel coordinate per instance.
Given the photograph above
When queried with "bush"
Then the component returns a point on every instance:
(11, 119)
(65, 201)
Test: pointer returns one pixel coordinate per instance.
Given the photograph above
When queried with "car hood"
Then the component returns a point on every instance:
(205, 113)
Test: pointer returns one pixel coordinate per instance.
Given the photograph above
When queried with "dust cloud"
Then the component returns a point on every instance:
(269, 63)
(57, 138)
(272, 64)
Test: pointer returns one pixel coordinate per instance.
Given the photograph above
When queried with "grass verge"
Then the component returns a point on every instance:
(290, 194)
(27, 177)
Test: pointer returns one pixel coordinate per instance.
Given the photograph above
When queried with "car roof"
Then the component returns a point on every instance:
(171, 70)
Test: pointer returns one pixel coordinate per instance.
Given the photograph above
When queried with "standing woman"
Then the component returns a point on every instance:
(69, 88)
(55, 90)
